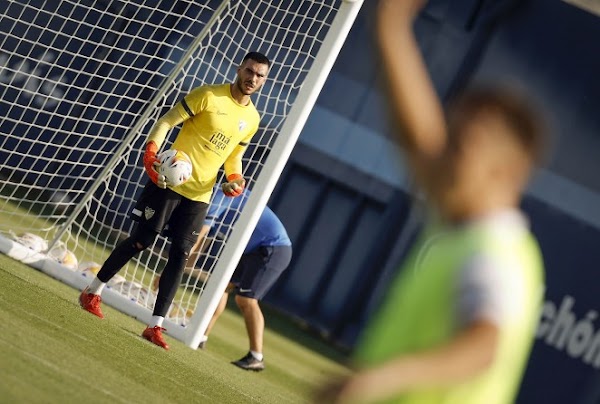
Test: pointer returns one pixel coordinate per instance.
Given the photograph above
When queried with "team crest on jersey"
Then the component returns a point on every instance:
(148, 213)
(242, 125)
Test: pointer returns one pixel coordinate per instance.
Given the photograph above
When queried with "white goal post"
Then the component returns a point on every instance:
(81, 85)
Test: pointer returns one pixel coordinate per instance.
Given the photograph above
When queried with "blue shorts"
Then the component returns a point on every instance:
(259, 269)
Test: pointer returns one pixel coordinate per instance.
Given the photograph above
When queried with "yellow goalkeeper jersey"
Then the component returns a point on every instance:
(217, 132)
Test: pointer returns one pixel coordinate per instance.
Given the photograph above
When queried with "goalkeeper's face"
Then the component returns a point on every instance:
(251, 75)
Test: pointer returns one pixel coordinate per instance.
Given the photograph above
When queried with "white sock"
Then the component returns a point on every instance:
(257, 355)
(157, 321)
(96, 286)
(204, 338)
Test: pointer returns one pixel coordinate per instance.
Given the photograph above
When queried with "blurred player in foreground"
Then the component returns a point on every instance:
(457, 324)
(266, 256)
(218, 123)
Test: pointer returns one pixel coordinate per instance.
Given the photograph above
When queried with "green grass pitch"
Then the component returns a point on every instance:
(54, 352)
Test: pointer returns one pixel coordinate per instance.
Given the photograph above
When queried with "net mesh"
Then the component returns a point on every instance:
(82, 83)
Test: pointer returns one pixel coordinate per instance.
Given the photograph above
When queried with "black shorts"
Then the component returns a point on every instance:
(166, 210)
(258, 270)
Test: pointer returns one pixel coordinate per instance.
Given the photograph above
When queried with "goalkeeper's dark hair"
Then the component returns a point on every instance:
(257, 57)
(513, 107)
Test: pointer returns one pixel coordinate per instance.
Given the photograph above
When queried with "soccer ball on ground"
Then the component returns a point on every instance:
(90, 269)
(32, 241)
(63, 256)
(176, 166)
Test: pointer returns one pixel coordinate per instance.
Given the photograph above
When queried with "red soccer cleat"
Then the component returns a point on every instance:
(154, 335)
(91, 302)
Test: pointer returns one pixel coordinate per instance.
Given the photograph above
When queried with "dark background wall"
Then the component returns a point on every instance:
(345, 195)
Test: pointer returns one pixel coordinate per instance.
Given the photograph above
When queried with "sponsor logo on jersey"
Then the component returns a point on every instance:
(219, 140)
(148, 212)
(242, 125)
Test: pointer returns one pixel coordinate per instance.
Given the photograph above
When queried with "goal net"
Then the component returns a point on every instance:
(82, 83)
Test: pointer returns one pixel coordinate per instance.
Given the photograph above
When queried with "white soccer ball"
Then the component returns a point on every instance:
(176, 166)
(90, 269)
(32, 241)
(63, 256)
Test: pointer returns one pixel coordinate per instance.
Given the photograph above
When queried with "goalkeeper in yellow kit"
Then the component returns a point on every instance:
(218, 123)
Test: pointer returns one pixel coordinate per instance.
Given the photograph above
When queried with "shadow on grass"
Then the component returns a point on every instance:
(297, 330)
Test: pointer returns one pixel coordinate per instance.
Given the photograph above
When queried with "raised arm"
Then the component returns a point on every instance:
(414, 102)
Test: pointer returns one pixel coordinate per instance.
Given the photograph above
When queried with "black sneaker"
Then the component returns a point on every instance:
(202, 345)
(249, 362)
